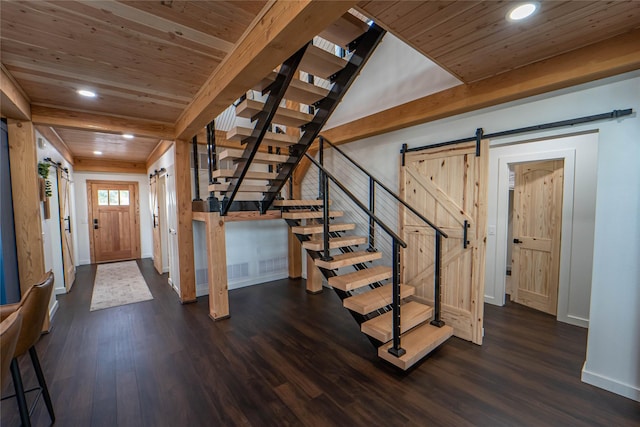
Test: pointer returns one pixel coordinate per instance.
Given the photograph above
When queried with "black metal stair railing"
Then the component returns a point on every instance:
(362, 49)
(397, 244)
(276, 93)
(373, 183)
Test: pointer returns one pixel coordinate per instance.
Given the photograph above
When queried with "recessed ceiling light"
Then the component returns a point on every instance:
(127, 136)
(98, 153)
(87, 93)
(522, 11)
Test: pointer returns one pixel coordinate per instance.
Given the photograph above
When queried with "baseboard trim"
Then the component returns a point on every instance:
(609, 384)
(53, 310)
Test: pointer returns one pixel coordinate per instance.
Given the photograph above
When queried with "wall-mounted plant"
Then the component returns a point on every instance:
(43, 171)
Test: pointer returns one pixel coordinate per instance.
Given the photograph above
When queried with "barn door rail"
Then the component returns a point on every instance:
(439, 233)
(396, 242)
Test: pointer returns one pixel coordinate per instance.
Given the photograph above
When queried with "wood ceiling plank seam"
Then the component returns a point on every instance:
(564, 15)
(189, 14)
(129, 61)
(108, 123)
(459, 25)
(375, 7)
(417, 23)
(541, 52)
(398, 12)
(12, 59)
(88, 41)
(38, 71)
(157, 23)
(443, 18)
(103, 91)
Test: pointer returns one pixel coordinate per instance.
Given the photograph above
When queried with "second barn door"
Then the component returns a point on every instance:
(448, 185)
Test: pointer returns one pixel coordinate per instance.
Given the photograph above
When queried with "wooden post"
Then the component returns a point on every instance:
(26, 202)
(217, 266)
(185, 226)
(295, 247)
(314, 277)
(25, 189)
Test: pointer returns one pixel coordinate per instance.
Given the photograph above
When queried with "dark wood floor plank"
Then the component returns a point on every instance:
(289, 358)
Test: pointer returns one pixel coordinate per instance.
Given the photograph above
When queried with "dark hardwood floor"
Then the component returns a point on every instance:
(289, 358)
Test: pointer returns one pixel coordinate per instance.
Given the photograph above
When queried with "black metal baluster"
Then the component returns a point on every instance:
(372, 208)
(396, 350)
(437, 290)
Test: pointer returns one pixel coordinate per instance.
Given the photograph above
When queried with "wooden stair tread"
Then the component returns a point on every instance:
(319, 62)
(345, 30)
(334, 242)
(298, 90)
(345, 260)
(294, 202)
(242, 197)
(411, 314)
(319, 228)
(243, 188)
(233, 153)
(249, 108)
(375, 298)
(310, 214)
(228, 173)
(270, 138)
(417, 343)
(358, 279)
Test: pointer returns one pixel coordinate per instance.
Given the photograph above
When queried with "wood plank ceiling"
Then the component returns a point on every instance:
(473, 40)
(148, 59)
(144, 59)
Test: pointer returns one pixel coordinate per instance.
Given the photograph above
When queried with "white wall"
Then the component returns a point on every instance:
(418, 77)
(82, 211)
(614, 336)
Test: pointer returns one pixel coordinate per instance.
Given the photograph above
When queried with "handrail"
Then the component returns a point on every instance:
(387, 189)
(357, 202)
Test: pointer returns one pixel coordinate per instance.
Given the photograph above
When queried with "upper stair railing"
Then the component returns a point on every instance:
(373, 184)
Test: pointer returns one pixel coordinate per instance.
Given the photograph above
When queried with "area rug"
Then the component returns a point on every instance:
(119, 283)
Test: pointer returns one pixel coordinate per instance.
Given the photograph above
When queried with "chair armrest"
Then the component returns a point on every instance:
(7, 309)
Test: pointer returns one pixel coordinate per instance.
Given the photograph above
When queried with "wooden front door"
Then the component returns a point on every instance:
(114, 220)
(537, 222)
(68, 260)
(448, 185)
(155, 221)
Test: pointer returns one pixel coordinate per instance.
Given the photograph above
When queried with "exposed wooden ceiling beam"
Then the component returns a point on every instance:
(85, 164)
(14, 101)
(608, 58)
(159, 150)
(100, 122)
(281, 29)
(57, 142)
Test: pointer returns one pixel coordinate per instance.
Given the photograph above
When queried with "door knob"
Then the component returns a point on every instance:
(517, 241)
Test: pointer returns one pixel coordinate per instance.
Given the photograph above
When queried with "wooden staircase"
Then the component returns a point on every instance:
(281, 135)
(363, 287)
(253, 176)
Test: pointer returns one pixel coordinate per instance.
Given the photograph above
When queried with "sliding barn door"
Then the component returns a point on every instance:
(155, 212)
(537, 223)
(448, 185)
(68, 260)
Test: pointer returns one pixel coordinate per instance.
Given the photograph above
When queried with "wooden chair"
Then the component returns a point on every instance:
(9, 333)
(33, 307)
